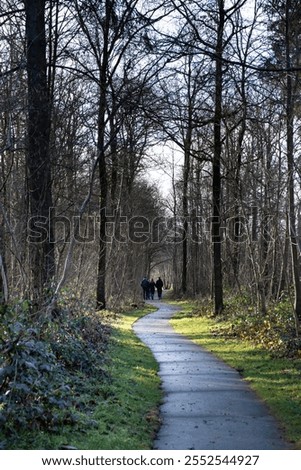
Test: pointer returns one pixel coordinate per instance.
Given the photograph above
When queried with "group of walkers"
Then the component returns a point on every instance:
(149, 288)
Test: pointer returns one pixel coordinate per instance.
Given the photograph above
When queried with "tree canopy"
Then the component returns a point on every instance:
(89, 88)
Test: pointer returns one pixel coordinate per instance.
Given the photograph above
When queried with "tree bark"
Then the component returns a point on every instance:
(103, 197)
(185, 202)
(216, 180)
(290, 167)
(41, 254)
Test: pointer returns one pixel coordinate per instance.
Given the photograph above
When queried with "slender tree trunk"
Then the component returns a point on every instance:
(3, 271)
(103, 181)
(102, 256)
(186, 173)
(216, 181)
(41, 255)
(237, 226)
(175, 269)
(290, 167)
(185, 216)
(3, 284)
(283, 281)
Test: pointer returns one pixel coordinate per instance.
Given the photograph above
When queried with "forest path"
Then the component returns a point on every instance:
(206, 404)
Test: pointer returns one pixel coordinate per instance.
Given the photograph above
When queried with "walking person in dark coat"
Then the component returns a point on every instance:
(159, 285)
(145, 286)
(152, 288)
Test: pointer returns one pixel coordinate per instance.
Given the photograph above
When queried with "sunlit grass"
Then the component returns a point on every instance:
(276, 380)
(127, 418)
(125, 402)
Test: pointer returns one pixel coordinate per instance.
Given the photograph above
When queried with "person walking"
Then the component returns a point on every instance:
(145, 287)
(152, 288)
(159, 286)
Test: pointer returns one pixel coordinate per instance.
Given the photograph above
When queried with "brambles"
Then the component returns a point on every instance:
(48, 367)
(274, 331)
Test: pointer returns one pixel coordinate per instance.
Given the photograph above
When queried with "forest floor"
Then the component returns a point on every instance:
(118, 408)
(113, 407)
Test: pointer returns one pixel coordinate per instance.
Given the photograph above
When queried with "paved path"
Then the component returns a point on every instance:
(206, 405)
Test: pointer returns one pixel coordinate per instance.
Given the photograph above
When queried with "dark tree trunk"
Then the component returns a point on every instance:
(103, 181)
(237, 226)
(102, 257)
(3, 284)
(290, 167)
(41, 256)
(216, 181)
(3, 271)
(283, 282)
(185, 217)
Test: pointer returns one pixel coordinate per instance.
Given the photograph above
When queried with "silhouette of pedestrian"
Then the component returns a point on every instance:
(159, 285)
(145, 287)
(152, 288)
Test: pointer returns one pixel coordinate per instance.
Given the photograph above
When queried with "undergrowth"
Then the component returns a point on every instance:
(79, 379)
(49, 366)
(275, 331)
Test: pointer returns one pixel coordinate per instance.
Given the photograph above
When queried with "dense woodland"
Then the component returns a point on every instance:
(88, 89)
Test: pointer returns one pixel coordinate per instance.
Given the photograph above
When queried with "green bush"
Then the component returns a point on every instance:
(275, 331)
(45, 366)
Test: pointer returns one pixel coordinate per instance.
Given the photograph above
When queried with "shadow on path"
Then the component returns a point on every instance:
(206, 405)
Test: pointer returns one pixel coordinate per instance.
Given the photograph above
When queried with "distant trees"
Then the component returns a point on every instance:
(207, 36)
(111, 30)
(242, 133)
(284, 24)
(85, 111)
(87, 88)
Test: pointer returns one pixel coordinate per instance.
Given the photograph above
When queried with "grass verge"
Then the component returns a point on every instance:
(113, 407)
(275, 380)
(128, 417)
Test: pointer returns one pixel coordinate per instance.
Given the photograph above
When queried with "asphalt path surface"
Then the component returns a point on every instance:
(207, 405)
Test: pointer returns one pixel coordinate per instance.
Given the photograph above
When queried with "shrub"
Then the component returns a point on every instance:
(274, 331)
(46, 367)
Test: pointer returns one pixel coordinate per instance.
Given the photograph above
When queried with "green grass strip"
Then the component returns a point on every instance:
(128, 416)
(275, 380)
(124, 405)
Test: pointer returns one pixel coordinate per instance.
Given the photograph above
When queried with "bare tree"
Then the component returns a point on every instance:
(290, 114)
(41, 254)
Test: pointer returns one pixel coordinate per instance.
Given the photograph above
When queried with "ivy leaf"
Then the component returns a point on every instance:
(45, 368)
(30, 365)
(4, 372)
(21, 387)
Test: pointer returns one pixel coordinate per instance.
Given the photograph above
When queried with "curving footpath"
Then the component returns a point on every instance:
(206, 404)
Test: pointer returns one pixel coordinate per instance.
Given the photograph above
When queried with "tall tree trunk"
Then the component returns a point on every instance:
(290, 167)
(283, 278)
(3, 284)
(237, 226)
(102, 256)
(185, 196)
(103, 198)
(3, 271)
(186, 172)
(216, 181)
(41, 255)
